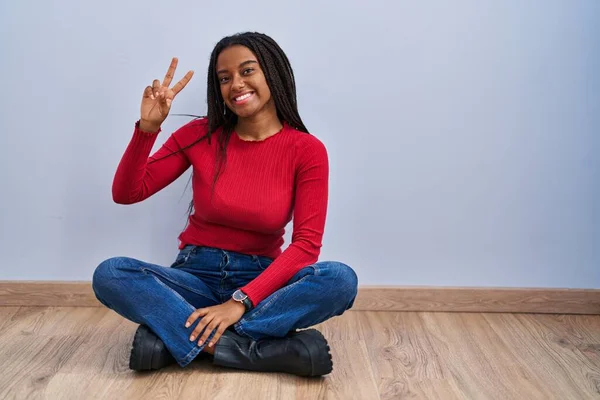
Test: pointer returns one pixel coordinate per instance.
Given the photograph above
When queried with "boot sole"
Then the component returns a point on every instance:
(318, 348)
(145, 345)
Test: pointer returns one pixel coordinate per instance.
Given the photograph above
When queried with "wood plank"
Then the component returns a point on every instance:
(47, 293)
(43, 321)
(33, 361)
(99, 368)
(530, 351)
(456, 299)
(26, 321)
(557, 337)
(30, 357)
(6, 315)
(203, 380)
(492, 352)
(216, 383)
(400, 345)
(342, 327)
(351, 378)
(370, 298)
(472, 357)
(404, 363)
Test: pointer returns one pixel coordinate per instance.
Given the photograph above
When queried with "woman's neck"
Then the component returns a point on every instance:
(258, 127)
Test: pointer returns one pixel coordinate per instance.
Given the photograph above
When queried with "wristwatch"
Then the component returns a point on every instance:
(241, 297)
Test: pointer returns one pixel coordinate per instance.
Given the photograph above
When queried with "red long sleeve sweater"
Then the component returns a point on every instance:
(261, 187)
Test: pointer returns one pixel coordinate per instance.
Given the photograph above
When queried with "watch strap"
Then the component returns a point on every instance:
(248, 304)
(246, 301)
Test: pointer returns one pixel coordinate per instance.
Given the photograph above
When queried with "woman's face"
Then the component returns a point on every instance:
(243, 84)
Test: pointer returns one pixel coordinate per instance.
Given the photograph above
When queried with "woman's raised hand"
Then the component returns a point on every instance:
(157, 99)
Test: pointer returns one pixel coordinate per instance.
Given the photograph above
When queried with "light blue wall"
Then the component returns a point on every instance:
(464, 137)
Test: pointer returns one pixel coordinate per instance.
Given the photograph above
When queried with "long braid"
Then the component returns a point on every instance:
(283, 81)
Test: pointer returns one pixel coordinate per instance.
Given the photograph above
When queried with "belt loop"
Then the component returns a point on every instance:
(225, 259)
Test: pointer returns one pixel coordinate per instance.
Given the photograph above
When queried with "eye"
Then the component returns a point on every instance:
(223, 79)
(248, 71)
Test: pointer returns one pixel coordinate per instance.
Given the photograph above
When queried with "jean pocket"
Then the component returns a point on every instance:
(183, 256)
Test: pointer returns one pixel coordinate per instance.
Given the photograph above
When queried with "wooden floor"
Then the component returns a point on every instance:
(82, 353)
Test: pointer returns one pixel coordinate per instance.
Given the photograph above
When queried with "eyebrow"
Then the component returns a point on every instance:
(241, 65)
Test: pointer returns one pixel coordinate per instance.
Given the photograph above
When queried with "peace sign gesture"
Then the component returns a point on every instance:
(157, 99)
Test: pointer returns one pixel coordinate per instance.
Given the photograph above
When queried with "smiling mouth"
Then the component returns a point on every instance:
(243, 98)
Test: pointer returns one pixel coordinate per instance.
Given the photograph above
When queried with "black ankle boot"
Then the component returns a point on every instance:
(304, 353)
(148, 351)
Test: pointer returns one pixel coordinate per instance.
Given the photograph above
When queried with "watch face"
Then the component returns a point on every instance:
(238, 295)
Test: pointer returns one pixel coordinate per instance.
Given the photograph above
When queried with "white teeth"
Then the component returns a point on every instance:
(244, 97)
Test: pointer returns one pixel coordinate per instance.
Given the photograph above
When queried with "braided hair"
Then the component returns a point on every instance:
(280, 79)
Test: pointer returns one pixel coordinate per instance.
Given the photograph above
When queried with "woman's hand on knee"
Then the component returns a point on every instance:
(216, 317)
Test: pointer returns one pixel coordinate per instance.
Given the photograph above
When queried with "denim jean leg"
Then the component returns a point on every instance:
(159, 297)
(313, 295)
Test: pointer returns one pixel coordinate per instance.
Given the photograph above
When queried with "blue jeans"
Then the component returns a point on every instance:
(162, 298)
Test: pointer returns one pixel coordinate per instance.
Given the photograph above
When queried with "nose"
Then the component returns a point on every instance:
(238, 82)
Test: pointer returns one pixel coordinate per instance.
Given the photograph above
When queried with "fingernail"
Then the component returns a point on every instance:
(200, 343)
(210, 344)
(192, 338)
(187, 325)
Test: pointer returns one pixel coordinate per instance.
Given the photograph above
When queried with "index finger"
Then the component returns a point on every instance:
(184, 81)
(193, 317)
(170, 72)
